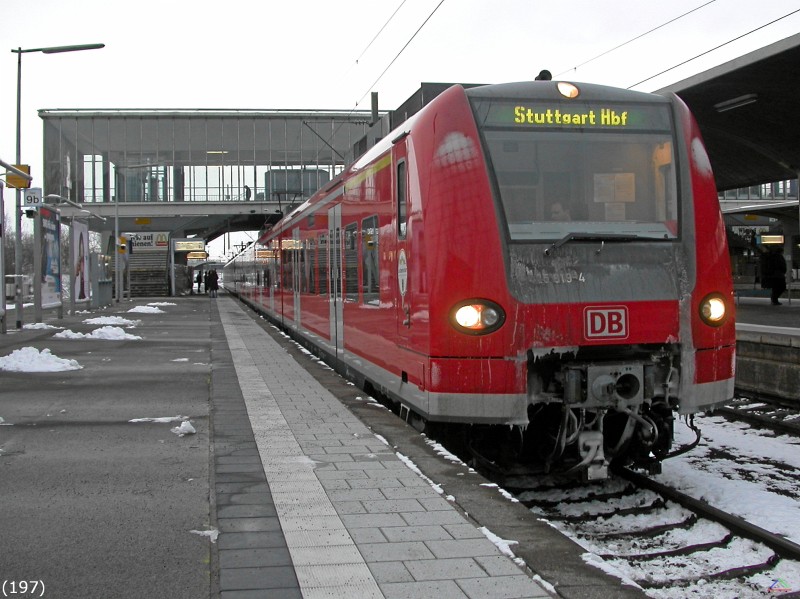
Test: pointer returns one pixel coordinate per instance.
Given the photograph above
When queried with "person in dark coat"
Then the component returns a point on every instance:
(775, 274)
(212, 283)
(199, 281)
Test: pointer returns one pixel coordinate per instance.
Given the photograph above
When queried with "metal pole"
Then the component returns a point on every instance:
(37, 266)
(73, 280)
(117, 274)
(18, 236)
(2, 261)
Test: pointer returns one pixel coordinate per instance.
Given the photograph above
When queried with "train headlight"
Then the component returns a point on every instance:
(477, 316)
(713, 310)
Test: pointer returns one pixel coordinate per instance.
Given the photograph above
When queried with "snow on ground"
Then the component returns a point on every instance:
(211, 534)
(39, 326)
(146, 310)
(30, 359)
(107, 333)
(744, 471)
(113, 320)
(741, 470)
(160, 419)
(185, 428)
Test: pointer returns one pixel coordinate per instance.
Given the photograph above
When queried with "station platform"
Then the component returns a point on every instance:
(210, 456)
(293, 483)
(759, 312)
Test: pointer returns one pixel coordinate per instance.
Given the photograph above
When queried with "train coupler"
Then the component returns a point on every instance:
(593, 461)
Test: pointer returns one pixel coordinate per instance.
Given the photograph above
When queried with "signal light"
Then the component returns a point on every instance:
(568, 90)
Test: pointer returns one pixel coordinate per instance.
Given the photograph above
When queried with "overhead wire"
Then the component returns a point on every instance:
(377, 35)
(575, 68)
(714, 48)
(408, 42)
(372, 41)
(433, 12)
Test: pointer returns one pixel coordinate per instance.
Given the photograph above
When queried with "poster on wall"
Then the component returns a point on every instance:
(80, 262)
(51, 258)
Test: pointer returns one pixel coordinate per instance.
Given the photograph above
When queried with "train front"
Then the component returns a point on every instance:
(616, 265)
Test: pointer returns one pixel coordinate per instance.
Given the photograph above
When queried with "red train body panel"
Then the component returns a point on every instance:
(432, 269)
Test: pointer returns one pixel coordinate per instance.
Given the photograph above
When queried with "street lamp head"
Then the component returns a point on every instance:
(58, 49)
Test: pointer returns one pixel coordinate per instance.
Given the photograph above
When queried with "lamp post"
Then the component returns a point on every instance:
(15, 171)
(18, 238)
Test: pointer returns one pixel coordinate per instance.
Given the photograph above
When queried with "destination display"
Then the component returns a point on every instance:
(600, 115)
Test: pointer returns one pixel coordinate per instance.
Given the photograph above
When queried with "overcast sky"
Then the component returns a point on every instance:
(320, 54)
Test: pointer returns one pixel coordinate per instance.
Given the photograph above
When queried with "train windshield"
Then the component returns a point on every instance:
(577, 169)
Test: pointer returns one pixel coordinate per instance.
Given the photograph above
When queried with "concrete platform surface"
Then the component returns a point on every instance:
(293, 483)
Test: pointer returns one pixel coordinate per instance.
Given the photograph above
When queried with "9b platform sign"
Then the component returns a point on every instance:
(33, 198)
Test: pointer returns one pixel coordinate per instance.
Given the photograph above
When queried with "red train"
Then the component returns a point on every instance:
(545, 256)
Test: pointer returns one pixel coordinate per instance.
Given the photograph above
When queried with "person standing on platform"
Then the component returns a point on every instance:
(212, 283)
(775, 274)
(199, 281)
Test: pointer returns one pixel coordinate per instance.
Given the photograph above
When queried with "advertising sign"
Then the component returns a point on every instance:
(80, 265)
(148, 241)
(51, 257)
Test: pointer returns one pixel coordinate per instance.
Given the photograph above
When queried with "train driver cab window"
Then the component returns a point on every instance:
(557, 179)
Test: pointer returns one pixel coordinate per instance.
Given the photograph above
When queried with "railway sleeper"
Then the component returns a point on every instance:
(731, 574)
(680, 551)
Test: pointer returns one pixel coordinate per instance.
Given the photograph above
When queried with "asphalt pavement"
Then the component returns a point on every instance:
(94, 505)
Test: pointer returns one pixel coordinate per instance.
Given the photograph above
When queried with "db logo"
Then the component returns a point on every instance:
(610, 321)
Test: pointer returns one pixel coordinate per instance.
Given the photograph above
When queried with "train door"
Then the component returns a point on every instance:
(335, 299)
(297, 273)
(403, 295)
(272, 273)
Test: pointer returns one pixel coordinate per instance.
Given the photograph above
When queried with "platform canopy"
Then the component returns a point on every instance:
(747, 110)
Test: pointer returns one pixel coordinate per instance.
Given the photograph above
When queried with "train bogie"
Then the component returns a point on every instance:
(542, 255)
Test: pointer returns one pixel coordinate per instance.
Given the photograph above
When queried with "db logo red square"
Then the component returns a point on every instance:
(607, 322)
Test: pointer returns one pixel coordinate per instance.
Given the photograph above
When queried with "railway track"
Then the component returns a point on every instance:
(764, 410)
(668, 543)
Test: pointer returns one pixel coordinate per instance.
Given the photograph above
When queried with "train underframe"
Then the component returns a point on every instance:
(588, 409)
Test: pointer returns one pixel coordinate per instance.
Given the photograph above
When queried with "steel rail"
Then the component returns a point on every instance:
(780, 545)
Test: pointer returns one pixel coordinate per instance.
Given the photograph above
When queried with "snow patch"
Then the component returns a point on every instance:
(185, 428)
(30, 359)
(117, 320)
(161, 419)
(107, 333)
(211, 534)
(147, 310)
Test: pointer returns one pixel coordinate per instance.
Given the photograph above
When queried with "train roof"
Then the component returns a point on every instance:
(522, 90)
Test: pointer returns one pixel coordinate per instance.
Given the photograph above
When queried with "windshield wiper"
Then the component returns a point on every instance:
(620, 237)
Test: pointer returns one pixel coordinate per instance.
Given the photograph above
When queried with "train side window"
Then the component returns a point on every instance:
(311, 265)
(369, 260)
(324, 260)
(402, 183)
(303, 267)
(351, 262)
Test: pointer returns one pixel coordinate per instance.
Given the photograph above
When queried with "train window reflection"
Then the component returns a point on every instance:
(369, 260)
